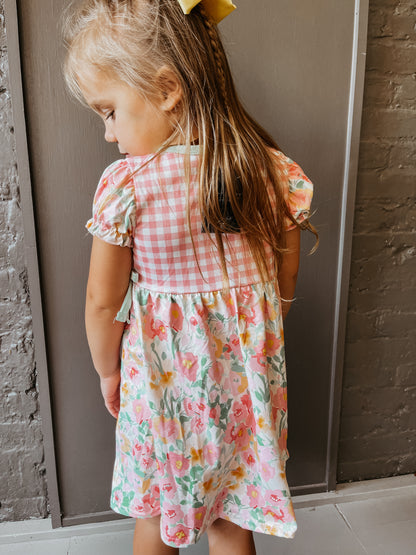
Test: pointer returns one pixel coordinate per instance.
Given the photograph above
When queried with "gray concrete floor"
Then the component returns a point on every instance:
(372, 517)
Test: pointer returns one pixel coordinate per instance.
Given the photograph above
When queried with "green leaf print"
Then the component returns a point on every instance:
(127, 498)
(169, 404)
(196, 472)
(266, 390)
(283, 421)
(186, 487)
(259, 396)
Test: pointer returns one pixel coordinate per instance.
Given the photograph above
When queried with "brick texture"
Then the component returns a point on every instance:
(378, 420)
(22, 472)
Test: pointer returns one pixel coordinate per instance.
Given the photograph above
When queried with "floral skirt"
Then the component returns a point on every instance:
(202, 428)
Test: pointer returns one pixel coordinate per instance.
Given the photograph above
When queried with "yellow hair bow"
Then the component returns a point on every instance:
(216, 9)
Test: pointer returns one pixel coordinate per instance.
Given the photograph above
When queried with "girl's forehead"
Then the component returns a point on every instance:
(95, 85)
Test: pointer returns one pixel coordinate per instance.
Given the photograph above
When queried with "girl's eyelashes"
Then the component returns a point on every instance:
(110, 115)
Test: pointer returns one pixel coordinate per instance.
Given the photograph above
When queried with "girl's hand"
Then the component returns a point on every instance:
(110, 388)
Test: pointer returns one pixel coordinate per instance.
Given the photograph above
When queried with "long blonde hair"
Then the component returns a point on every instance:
(133, 39)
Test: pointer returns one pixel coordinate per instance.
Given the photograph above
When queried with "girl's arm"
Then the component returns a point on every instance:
(108, 281)
(288, 272)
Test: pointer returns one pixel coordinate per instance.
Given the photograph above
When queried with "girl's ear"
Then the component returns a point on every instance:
(170, 89)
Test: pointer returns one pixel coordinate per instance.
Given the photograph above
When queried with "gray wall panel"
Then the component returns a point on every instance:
(292, 61)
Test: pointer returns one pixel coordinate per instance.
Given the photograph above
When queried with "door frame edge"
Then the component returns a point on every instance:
(31, 255)
(358, 65)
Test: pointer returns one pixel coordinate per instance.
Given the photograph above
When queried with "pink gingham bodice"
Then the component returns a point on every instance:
(148, 213)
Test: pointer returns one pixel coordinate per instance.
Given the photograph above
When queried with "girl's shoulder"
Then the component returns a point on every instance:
(114, 207)
(114, 176)
(295, 177)
(297, 188)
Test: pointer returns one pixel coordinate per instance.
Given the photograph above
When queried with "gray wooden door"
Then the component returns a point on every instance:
(295, 63)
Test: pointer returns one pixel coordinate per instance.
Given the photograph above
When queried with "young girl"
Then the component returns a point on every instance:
(193, 266)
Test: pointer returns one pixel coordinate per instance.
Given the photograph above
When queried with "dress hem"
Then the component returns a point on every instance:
(270, 528)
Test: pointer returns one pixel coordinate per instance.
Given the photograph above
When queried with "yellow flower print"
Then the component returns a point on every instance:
(220, 347)
(196, 455)
(125, 444)
(145, 486)
(166, 379)
(239, 473)
(246, 337)
(271, 529)
(244, 384)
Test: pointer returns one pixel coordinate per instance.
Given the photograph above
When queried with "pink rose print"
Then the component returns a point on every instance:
(155, 491)
(267, 472)
(219, 503)
(201, 311)
(148, 505)
(176, 317)
(242, 437)
(278, 397)
(172, 512)
(133, 372)
(275, 514)
(246, 314)
(148, 447)
(140, 410)
(256, 499)
(177, 534)
(229, 433)
(240, 412)
(211, 453)
(187, 364)
(179, 464)
(137, 449)
(170, 429)
(147, 462)
(168, 487)
(198, 425)
(274, 497)
(194, 518)
(249, 457)
(239, 435)
(250, 420)
(148, 326)
(235, 342)
(117, 496)
(272, 343)
(200, 407)
(215, 414)
(188, 406)
(216, 372)
(230, 303)
(160, 329)
(259, 361)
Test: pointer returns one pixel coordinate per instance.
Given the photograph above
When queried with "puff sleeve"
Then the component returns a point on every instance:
(114, 208)
(298, 192)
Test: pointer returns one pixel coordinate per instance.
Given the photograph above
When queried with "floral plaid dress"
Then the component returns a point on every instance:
(202, 427)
